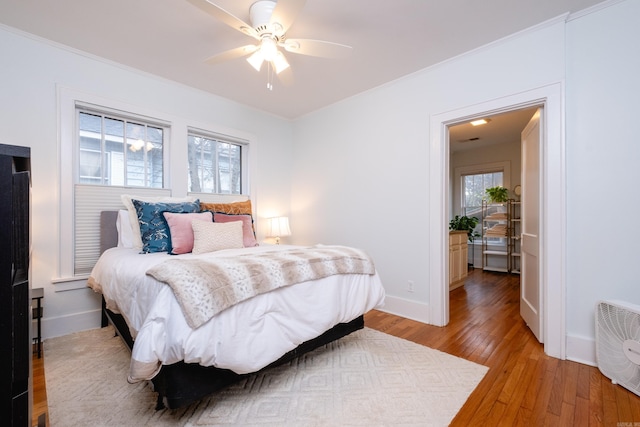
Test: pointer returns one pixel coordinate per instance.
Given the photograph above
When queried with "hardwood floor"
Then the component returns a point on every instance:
(39, 394)
(522, 387)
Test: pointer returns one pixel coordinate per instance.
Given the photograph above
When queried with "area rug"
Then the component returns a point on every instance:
(365, 379)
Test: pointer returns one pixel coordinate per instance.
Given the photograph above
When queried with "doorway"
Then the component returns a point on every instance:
(553, 198)
(485, 153)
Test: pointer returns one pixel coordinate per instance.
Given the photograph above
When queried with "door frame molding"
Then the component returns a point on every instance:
(553, 207)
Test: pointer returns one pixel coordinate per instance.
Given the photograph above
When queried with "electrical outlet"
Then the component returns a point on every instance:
(410, 286)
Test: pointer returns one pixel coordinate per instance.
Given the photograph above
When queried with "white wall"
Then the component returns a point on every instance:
(603, 152)
(31, 72)
(361, 166)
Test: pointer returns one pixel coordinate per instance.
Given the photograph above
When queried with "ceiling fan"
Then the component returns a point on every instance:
(269, 24)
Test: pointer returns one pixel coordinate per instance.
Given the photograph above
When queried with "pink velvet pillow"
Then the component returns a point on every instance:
(181, 231)
(248, 238)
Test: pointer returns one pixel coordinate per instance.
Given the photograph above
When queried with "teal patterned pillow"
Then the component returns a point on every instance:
(154, 229)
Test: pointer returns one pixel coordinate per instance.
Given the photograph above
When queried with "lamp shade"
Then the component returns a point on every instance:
(278, 227)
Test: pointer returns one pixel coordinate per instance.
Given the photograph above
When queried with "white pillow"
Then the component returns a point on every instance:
(125, 233)
(215, 236)
(133, 215)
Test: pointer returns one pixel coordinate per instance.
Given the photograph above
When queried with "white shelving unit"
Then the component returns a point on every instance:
(495, 233)
(501, 228)
(515, 231)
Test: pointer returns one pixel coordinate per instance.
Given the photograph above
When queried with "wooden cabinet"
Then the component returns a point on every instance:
(15, 299)
(458, 258)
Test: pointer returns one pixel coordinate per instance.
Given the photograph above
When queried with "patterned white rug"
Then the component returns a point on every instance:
(365, 379)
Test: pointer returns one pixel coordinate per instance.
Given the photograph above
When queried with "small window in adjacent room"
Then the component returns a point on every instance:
(119, 150)
(473, 191)
(474, 188)
(216, 164)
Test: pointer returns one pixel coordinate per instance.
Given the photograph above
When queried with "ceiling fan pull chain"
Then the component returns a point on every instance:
(269, 76)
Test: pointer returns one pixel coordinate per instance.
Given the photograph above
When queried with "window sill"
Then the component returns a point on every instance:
(63, 284)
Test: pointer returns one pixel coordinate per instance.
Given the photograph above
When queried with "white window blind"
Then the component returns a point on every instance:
(90, 200)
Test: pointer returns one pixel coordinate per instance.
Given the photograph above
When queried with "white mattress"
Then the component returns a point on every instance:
(243, 338)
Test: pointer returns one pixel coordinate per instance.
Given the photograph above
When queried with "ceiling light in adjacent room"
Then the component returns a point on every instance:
(480, 122)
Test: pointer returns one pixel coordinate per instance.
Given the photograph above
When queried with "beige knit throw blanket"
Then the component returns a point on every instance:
(206, 286)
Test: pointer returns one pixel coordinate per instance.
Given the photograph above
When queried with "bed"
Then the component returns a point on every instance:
(187, 359)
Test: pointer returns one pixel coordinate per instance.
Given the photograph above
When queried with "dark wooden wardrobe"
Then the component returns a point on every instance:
(15, 289)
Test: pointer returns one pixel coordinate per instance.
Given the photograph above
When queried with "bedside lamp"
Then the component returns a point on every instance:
(278, 227)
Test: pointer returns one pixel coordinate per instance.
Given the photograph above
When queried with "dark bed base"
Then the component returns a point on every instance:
(182, 383)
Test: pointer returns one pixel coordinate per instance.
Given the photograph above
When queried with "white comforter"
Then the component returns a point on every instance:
(243, 338)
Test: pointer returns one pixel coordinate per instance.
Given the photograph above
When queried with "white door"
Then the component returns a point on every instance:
(530, 289)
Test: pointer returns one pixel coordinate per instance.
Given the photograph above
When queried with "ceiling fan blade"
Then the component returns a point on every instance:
(224, 16)
(319, 48)
(285, 12)
(231, 54)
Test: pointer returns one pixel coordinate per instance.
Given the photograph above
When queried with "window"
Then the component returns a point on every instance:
(115, 151)
(474, 188)
(473, 191)
(215, 164)
(119, 150)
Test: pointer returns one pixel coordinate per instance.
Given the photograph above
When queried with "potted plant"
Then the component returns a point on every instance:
(465, 223)
(497, 194)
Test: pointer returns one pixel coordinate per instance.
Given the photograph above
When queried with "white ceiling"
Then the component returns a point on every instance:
(390, 39)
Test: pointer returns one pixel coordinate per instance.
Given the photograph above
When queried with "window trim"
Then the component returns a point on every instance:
(68, 101)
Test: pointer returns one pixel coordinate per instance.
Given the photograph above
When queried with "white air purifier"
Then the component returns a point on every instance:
(618, 343)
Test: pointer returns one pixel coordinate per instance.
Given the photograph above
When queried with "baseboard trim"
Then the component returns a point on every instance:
(581, 350)
(64, 325)
(405, 308)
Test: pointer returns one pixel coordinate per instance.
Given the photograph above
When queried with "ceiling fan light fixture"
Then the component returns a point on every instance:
(256, 59)
(269, 23)
(269, 49)
(280, 63)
